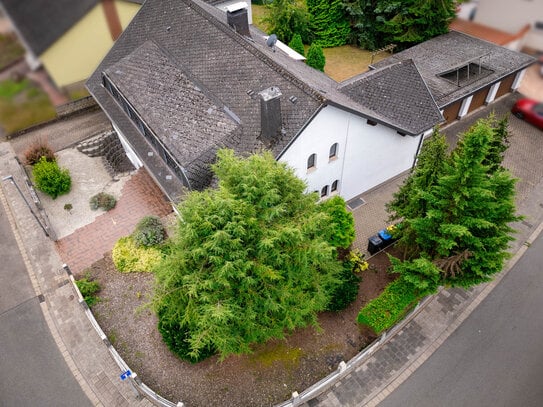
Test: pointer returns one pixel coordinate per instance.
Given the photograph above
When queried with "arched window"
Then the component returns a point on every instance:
(334, 186)
(333, 151)
(324, 191)
(312, 161)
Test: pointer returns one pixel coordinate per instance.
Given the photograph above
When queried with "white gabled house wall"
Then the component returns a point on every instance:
(366, 157)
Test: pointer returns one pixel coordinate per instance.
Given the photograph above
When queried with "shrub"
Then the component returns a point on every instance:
(346, 291)
(38, 148)
(177, 340)
(128, 256)
(103, 201)
(88, 288)
(297, 45)
(50, 178)
(149, 231)
(384, 311)
(357, 261)
(342, 232)
(315, 57)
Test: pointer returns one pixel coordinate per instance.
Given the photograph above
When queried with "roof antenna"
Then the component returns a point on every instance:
(270, 42)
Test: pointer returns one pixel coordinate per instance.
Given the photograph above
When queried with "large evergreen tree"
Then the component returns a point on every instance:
(251, 261)
(328, 22)
(408, 22)
(464, 228)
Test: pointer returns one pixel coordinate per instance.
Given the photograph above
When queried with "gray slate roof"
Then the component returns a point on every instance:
(442, 53)
(42, 22)
(173, 46)
(398, 90)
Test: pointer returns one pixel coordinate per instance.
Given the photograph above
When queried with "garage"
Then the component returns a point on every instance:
(505, 86)
(450, 113)
(478, 99)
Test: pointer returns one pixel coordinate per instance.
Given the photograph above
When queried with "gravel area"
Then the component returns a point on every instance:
(268, 376)
(89, 177)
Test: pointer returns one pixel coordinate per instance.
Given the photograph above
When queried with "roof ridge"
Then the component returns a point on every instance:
(246, 44)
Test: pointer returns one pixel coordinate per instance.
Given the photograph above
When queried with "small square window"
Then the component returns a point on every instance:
(334, 186)
(333, 151)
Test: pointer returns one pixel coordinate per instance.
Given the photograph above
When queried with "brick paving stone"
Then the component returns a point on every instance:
(140, 196)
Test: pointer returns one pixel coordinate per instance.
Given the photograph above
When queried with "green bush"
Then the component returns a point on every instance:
(149, 231)
(88, 288)
(102, 200)
(50, 178)
(384, 311)
(128, 256)
(343, 232)
(315, 57)
(38, 149)
(177, 340)
(346, 291)
(297, 45)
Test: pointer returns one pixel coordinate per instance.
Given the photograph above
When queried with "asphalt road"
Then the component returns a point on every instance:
(495, 357)
(32, 370)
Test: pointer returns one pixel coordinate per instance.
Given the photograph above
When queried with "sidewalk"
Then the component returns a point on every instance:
(83, 350)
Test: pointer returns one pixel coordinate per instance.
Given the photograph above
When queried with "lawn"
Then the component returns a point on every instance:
(10, 50)
(341, 62)
(22, 105)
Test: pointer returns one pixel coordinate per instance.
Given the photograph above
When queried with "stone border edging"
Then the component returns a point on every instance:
(140, 388)
(344, 368)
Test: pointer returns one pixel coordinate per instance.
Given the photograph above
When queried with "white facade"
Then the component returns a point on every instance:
(366, 155)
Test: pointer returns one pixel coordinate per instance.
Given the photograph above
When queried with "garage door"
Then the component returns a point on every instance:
(450, 113)
(478, 99)
(505, 85)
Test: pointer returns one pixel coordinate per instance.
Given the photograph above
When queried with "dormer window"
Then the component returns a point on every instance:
(333, 151)
(312, 161)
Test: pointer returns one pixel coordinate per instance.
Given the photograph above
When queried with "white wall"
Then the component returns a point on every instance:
(509, 15)
(367, 155)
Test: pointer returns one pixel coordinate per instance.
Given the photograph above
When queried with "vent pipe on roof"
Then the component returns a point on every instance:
(237, 17)
(270, 114)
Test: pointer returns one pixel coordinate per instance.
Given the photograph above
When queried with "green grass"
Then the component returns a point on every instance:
(10, 50)
(22, 105)
(341, 62)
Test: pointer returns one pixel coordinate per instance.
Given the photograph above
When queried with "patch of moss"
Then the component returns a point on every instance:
(278, 353)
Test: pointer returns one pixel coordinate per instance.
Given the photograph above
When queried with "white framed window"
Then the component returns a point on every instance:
(333, 151)
(334, 186)
(312, 161)
(324, 191)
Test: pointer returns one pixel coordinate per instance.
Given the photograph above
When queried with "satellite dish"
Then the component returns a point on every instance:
(272, 39)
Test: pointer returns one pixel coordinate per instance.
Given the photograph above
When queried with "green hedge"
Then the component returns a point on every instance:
(384, 311)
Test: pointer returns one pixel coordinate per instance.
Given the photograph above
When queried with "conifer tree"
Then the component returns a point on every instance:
(251, 261)
(465, 230)
(315, 57)
(297, 45)
(328, 22)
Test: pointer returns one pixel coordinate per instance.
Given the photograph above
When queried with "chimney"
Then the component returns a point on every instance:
(238, 18)
(270, 113)
(112, 19)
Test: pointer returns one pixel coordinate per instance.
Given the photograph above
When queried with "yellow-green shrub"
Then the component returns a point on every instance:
(128, 256)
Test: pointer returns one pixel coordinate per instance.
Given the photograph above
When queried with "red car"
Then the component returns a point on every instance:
(529, 110)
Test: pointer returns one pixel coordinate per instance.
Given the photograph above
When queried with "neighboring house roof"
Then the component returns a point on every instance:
(399, 92)
(486, 32)
(446, 52)
(42, 22)
(173, 47)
